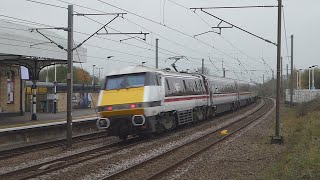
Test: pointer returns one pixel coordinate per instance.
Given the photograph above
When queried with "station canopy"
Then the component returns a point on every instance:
(19, 42)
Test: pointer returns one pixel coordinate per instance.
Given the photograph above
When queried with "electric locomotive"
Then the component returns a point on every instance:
(138, 100)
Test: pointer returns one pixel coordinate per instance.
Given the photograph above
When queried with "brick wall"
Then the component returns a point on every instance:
(4, 105)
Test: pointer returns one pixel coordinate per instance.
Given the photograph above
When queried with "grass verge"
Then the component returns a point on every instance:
(301, 131)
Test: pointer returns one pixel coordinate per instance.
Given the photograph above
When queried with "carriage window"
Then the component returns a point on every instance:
(202, 88)
(168, 87)
(185, 85)
(196, 86)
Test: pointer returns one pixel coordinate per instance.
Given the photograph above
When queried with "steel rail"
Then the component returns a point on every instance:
(121, 172)
(193, 155)
(9, 153)
(60, 163)
(57, 164)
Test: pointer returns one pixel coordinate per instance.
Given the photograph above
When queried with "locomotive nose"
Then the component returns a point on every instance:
(103, 123)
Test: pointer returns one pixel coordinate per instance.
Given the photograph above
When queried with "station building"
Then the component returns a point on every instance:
(30, 48)
(11, 90)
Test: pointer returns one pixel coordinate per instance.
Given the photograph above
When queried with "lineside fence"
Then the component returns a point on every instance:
(302, 95)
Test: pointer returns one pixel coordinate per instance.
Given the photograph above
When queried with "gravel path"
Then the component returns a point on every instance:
(242, 157)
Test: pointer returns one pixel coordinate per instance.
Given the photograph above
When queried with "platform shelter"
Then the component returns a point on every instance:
(34, 49)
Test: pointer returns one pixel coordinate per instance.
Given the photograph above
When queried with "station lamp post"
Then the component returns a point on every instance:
(313, 67)
(55, 90)
(99, 73)
(108, 58)
(310, 77)
(93, 74)
(300, 78)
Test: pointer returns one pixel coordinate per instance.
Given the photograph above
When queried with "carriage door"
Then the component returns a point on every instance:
(210, 93)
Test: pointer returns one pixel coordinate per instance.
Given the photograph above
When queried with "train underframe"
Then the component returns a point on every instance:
(123, 126)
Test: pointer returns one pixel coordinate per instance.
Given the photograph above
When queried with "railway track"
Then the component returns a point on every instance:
(171, 159)
(9, 153)
(61, 163)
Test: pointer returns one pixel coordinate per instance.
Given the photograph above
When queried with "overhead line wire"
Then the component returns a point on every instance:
(145, 19)
(91, 19)
(143, 28)
(130, 36)
(188, 9)
(166, 38)
(285, 31)
(165, 26)
(86, 43)
(118, 30)
(40, 24)
(210, 28)
(47, 4)
(140, 17)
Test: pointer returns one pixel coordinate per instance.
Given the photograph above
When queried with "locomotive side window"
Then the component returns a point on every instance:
(183, 87)
(152, 79)
(158, 78)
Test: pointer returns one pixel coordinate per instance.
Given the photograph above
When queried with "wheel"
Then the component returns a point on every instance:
(233, 107)
(198, 114)
(168, 121)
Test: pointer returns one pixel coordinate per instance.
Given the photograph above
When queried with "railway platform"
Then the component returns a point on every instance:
(44, 118)
(20, 130)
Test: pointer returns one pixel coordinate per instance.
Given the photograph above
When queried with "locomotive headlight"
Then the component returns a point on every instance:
(105, 108)
(132, 106)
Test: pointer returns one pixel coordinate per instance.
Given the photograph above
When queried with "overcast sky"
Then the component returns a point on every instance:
(301, 19)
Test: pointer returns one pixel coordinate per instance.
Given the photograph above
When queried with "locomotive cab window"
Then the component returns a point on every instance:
(125, 81)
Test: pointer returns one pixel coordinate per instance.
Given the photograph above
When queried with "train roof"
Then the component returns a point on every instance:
(141, 68)
(224, 80)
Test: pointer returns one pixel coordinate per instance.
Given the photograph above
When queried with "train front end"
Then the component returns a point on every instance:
(129, 102)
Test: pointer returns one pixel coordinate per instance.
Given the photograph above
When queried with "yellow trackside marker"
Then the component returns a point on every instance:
(224, 132)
